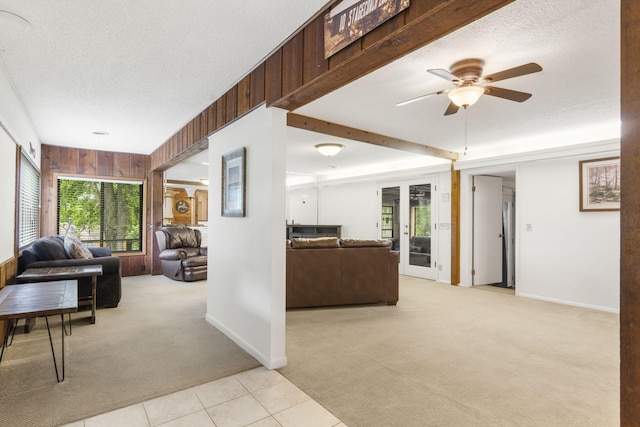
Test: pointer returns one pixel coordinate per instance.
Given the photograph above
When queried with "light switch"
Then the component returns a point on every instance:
(529, 227)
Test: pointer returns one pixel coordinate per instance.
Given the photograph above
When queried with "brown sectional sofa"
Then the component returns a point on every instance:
(331, 271)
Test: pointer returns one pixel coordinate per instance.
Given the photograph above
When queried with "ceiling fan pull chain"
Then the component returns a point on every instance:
(465, 131)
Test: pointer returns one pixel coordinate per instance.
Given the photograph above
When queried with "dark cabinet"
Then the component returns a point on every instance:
(308, 231)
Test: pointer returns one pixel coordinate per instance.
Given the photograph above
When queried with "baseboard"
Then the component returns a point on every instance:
(572, 303)
(264, 360)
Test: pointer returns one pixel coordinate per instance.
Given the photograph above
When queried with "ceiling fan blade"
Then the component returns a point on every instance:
(451, 109)
(511, 95)
(522, 70)
(444, 74)
(420, 98)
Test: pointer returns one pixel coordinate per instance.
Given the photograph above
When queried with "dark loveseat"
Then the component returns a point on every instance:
(330, 271)
(49, 252)
(181, 255)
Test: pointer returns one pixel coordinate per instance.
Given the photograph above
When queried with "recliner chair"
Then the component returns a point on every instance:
(181, 255)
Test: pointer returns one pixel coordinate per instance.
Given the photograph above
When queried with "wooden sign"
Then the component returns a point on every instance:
(352, 19)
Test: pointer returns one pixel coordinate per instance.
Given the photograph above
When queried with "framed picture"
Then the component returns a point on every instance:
(233, 183)
(600, 185)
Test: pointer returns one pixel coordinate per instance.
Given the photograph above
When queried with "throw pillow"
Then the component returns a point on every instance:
(75, 249)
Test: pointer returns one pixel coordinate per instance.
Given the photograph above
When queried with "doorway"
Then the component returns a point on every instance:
(408, 217)
(493, 235)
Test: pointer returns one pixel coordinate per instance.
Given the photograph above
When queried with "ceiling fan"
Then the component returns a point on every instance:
(470, 84)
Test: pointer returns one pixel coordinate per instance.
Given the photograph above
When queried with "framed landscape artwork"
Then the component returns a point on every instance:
(600, 185)
(233, 183)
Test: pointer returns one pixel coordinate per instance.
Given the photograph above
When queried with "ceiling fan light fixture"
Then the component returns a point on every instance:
(329, 149)
(465, 96)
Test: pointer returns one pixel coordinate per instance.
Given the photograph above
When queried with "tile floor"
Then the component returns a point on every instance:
(257, 398)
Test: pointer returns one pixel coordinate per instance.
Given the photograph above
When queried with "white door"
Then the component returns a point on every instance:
(407, 216)
(487, 230)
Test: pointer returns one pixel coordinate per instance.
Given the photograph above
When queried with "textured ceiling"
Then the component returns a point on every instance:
(138, 70)
(575, 98)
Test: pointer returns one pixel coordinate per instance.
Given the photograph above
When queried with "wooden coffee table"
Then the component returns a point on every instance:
(48, 274)
(35, 300)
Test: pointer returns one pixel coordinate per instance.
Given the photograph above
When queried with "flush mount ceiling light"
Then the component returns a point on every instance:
(465, 96)
(329, 149)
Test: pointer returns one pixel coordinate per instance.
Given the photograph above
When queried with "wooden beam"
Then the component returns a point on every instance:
(630, 214)
(432, 21)
(341, 131)
(455, 226)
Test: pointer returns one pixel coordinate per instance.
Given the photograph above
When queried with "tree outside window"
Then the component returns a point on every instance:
(103, 213)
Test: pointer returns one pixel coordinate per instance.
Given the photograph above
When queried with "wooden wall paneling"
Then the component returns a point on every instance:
(221, 111)
(69, 159)
(314, 63)
(630, 215)
(389, 27)
(122, 165)
(419, 8)
(197, 126)
(8, 270)
(105, 163)
(49, 165)
(257, 86)
(140, 165)
(50, 156)
(292, 63)
(347, 66)
(155, 187)
(212, 118)
(190, 136)
(181, 142)
(345, 54)
(273, 77)
(87, 162)
(231, 112)
(109, 164)
(244, 95)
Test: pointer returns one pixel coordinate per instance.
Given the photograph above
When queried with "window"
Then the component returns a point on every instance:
(29, 202)
(387, 222)
(103, 213)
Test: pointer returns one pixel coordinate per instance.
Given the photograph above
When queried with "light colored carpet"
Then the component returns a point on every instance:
(156, 342)
(453, 356)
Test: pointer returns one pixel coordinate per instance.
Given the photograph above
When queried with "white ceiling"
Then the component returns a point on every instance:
(141, 70)
(138, 70)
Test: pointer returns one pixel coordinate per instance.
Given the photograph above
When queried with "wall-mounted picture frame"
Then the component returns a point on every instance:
(233, 183)
(600, 185)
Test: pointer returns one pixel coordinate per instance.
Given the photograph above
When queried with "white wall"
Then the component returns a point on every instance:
(7, 194)
(15, 128)
(246, 279)
(354, 206)
(302, 205)
(568, 256)
(14, 118)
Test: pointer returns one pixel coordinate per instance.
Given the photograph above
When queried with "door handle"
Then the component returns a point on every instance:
(406, 232)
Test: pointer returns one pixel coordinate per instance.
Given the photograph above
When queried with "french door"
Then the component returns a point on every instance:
(407, 217)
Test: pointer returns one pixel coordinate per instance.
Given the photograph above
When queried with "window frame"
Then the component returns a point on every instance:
(24, 159)
(123, 180)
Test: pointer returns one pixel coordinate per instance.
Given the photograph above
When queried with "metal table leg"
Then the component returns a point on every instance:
(11, 330)
(53, 353)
